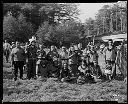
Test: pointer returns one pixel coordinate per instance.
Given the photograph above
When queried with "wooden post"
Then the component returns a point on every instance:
(93, 39)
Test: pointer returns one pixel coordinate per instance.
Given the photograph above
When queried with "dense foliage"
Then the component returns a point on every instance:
(109, 19)
(58, 23)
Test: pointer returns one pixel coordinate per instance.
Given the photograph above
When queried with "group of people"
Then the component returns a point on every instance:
(62, 63)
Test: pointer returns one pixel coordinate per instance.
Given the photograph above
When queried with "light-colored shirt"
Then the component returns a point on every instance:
(82, 69)
(63, 55)
(6, 46)
(110, 54)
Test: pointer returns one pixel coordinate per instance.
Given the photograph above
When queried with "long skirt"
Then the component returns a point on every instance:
(42, 68)
(53, 71)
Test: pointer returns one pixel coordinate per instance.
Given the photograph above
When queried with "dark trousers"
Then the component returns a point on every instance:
(18, 65)
(64, 73)
(6, 53)
(31, 66)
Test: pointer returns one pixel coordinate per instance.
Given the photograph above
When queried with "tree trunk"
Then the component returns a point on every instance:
(111, 24)
(116, 22)
(121, 20)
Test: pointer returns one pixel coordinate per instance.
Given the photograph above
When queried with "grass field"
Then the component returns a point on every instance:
(43, 90)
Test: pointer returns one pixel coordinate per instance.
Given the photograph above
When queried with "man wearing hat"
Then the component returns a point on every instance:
(13, 45)
(31, 52)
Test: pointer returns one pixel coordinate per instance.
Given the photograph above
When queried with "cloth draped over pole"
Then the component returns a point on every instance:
(122, 60)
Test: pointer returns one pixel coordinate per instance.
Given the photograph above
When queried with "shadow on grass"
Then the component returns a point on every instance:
(7, 73)
(6, 65)
(119, 77)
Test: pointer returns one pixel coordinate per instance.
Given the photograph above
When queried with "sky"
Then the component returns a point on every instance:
(89, 10)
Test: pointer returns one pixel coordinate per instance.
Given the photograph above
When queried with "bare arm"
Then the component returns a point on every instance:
(104, 52)
(12, 57)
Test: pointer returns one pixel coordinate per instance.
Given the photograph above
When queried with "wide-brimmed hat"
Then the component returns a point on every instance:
(33, 39)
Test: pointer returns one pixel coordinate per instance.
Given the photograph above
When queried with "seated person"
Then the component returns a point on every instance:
(108, 70)
(85, 73)
(96, 70)
(82, 68)
(64, 73)
(54, 70)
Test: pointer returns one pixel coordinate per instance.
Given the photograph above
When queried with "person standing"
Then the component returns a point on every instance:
(79, 52)
(7, 50)
(17, 59)
(41, 64)
(88, 50)
(64, 55)
(53, 62)
(31, 53)
(94, 61)
(72, 61)
(110, 53)
(52, 54)
(121, 59)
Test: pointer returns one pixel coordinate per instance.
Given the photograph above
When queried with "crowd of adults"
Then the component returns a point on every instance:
(64, 64)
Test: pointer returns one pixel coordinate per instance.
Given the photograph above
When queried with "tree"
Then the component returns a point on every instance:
(10, 27)
(17, 28)
(25, 29)
(31, 17)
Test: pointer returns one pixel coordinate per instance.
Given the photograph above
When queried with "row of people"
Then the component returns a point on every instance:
(52, 63)
(38, 59)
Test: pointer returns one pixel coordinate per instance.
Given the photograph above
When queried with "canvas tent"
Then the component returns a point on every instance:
(119, 37)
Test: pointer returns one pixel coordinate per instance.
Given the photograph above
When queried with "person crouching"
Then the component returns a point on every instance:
(81, 72)
(85, 74)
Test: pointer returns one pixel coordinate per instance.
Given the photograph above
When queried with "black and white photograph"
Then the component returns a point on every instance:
(65, 52)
